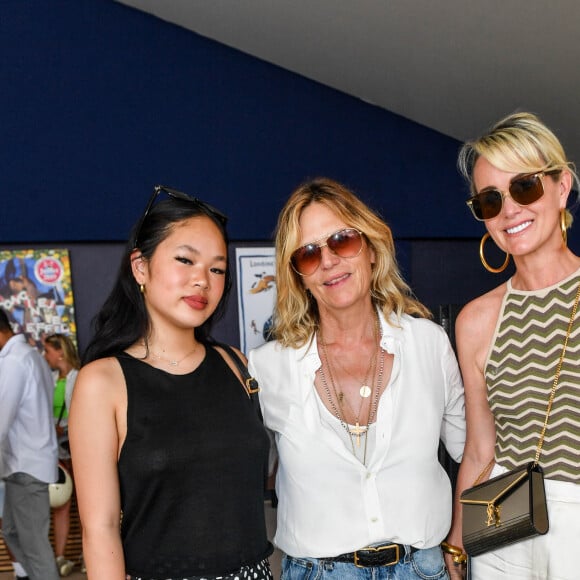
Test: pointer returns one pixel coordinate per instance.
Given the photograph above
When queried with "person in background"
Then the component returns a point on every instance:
(19, 571)
(358, 387)
(161, 427)
(510, 340)
(28, 452)
(61, 354)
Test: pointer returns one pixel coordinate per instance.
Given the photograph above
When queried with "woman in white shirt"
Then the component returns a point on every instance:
(358, 388)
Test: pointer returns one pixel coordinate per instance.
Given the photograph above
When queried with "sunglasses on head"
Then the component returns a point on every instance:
(345, 243)
(175, 194)
(524, 190)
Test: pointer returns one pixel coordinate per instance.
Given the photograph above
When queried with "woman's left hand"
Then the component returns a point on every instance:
(456, 571)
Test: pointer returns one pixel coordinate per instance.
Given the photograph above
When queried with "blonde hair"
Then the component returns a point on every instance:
(518, 143)
(296, 315)
(67, 346)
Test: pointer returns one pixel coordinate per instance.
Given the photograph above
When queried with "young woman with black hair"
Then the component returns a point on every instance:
(162, 428)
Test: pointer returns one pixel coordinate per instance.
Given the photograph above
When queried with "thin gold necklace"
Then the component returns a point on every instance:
(172, 362)
(371, 371)
(357, 430)
(364, 389)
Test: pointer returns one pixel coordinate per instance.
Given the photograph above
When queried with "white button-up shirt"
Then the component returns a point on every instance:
(27, 433)
(329, 502)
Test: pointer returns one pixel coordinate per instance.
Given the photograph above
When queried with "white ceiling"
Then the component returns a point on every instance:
(455, 66)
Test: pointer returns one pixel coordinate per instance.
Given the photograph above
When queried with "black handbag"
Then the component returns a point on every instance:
(512, 506)
(504, 510)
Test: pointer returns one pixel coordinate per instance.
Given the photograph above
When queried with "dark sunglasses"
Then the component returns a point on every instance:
(159, 189)
(346, 243)
(524, 190)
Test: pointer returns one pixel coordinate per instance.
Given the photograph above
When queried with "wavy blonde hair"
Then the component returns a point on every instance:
(518, 143)
(296, 316)
(65, 344)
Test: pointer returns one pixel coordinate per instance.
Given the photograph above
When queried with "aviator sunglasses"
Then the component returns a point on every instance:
(345, 243)
(175, 194)
(524, 190)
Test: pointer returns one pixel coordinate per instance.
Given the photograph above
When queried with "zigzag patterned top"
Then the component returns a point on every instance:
(520, 372)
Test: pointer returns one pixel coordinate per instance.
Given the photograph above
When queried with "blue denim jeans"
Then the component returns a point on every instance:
(421, 565)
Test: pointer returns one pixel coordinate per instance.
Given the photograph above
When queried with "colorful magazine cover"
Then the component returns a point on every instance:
(36, 293)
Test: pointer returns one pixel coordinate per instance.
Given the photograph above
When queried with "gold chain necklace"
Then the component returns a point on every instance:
(557, 377)
(357, 430)
(371, 371)
(172, 362)
(364, 390)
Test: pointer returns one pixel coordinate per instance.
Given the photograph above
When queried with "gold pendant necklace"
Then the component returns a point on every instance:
(375, 405)
(365, 390)
(357, 430)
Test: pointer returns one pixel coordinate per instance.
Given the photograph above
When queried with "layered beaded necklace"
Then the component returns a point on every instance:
(335, 399)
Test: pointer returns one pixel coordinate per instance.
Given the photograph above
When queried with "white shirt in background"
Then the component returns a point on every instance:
(27, 434)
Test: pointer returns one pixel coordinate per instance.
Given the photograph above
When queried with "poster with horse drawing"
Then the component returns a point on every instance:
(256, 281)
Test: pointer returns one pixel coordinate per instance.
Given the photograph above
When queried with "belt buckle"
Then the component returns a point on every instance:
(377, 549)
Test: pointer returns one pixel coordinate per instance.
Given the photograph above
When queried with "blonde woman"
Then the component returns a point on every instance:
(510, 340)
(61, 355)
(358, 388)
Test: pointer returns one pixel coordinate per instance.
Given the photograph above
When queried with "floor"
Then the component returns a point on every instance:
(274, 559)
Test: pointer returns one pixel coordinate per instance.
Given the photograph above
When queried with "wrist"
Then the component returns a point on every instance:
(457, 554)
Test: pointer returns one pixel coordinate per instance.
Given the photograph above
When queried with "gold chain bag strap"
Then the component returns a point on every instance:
(510, 507)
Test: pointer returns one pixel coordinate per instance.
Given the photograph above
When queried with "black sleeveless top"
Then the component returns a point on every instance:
(191, 471)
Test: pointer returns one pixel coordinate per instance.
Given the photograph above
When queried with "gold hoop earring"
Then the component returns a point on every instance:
(563, 227)
(142, 288)
(483, 260)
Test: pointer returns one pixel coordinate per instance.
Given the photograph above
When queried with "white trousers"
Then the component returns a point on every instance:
(548, 557)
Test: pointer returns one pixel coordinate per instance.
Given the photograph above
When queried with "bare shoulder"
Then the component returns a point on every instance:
(102, 378)
(482, 312)
(475, 326)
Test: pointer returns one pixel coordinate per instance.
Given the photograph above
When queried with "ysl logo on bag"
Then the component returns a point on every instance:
(493, 515)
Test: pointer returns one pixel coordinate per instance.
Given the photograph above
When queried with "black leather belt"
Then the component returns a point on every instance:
(386, 555)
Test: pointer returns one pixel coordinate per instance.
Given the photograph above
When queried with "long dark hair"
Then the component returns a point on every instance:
(123, 318)
(4, 322)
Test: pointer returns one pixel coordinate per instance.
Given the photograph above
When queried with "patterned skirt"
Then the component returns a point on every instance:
(259, 571)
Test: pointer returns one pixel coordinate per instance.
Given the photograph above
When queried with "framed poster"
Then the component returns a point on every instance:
(256, 282)
(36, 292)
